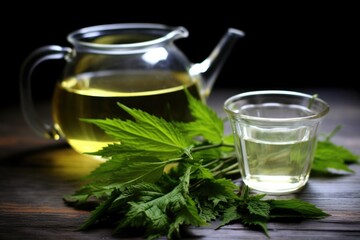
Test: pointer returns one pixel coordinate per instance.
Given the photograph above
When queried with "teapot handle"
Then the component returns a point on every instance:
(42, 54)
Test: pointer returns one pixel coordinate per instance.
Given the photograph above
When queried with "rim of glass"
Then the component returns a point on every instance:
(170, 32)
(233, 99)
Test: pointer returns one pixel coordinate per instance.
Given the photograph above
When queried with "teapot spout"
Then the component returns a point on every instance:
(210, 68)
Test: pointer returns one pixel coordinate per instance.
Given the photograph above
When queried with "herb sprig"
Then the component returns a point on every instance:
(166, 175)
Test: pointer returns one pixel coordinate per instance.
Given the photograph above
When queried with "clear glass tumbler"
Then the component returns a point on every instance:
(275, 135)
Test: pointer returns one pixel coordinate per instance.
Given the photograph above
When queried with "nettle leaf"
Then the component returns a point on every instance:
(229, 139)
(257, 221)
(216, 190)
(125, 170)
(332, 158)
(238, 213)
(99, 191)
(329, 156)
(207, 123)
(248, 209)
(294, 208)
(147, 132)
(229, 215)
(140, 191)
(164, 214)
(260, 208)
(202, 173)
(100, 210)
(126, 151)
(208, 155)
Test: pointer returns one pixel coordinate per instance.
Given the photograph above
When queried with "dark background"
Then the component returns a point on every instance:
(286, 46)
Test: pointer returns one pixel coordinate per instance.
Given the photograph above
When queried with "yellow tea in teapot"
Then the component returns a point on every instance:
(95, 96)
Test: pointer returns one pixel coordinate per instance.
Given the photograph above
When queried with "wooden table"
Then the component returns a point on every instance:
(36, 173)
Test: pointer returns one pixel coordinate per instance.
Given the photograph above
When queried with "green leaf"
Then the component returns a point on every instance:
(166, 213)
(140, 191)
(256, 221)
(216, 191)
(248, 214)
(260, 208)
(230, 214)
(207, 123)
(147, 133)
(253, 210)
(329, 157)
(124, 170)
(229, 139)
(100, 211)
(124, 151)
(88, 190)
(294, 208)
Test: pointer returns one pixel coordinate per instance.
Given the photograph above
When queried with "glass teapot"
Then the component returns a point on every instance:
(136, 64)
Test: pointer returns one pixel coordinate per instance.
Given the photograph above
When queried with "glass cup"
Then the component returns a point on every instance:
(275, 134)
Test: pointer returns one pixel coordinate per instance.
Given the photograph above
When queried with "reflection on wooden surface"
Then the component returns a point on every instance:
(64, 162)
(59, 160)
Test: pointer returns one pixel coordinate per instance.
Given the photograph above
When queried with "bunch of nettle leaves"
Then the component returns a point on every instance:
(165, 175)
